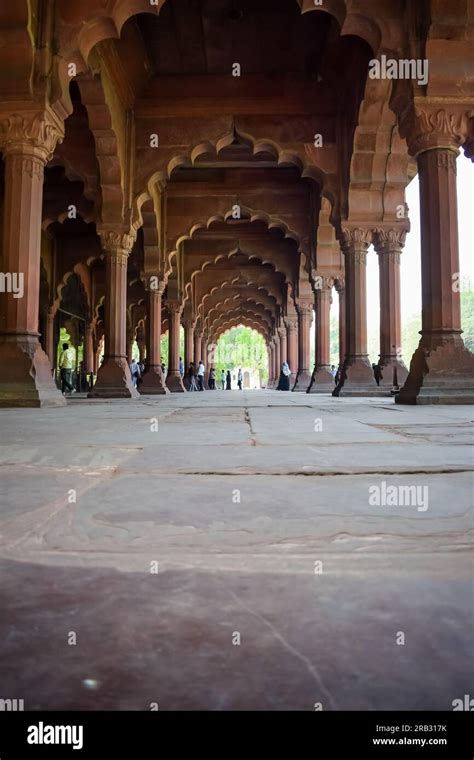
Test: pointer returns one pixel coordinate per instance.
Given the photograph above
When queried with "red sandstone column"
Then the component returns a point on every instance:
(130, 342)
(442, 369)
(357, 375)
(292, 347)
(342, 322)
(99, 336)
(205, 350)
(28, 141)
(153, 383)
(113, 378)
(188, 343)
(141, 342)
(271, 365)
(277, 360)
(305, 316)
(89, 348)
(174, 380)
(197, 346)
(389, 244)
(49, 336)
(322, 379)
(283, 344)
(205, 357)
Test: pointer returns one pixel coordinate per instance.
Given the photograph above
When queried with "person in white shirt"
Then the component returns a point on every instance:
(201, 372)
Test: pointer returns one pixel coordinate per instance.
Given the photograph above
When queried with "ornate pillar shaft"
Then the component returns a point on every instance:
(292, 346)
(130, 342)
(277, 358)
(153, 333)
(174, 380)
(197, 346)
(283, 345)
(188, 343)
(28, 141)
(356, 377)
(141, 342)
(271, 365)
(356, 278)
(152, 383)
(323, 327)
(204, 350)
(322, 380)
(389, 245)
(49, 336)
(390, 314)
(342, 324)
(442, 369)
(441, 305)
(114, 379)
(305, 316)
(89, 348)
(115, 305)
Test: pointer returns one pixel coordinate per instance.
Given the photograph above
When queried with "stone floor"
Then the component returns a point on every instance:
(256, 507)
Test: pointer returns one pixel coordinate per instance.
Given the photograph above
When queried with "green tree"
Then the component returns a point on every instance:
(467, 319)
(241, 346)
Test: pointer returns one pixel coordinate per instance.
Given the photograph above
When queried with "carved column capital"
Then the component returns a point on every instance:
(356, 238)
(117, 244)
(35, 134)
(281, 332)
(305, 308)
(389, 240)
(291, 324)
(321, 282)
(174, 307)
(340, 284)
(427, 125)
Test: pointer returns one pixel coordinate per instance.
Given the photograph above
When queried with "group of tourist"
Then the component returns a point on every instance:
(195, 377)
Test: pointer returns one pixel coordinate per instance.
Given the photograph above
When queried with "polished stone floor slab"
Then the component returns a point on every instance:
(222, 551)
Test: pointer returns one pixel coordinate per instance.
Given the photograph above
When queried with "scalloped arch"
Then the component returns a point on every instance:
(83, 272)
(250, 322)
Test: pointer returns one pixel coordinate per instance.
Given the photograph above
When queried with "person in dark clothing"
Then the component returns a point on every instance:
(284, 381)
(228, 381)
(212, 380)
(377, 373)
(192, 385)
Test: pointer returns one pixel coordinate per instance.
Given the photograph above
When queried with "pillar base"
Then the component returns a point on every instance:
(302, 382)
(152, 383)
(175, 383)
(443, 375)
(114, 380)
(322, 381)
(394, 373)
(357, 379)
(25, 374)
